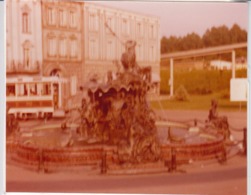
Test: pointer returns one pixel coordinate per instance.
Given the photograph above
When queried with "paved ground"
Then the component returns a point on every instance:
(208, 177)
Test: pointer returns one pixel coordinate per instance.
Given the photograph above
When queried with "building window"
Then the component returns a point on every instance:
(110, 51)
(27, 60)
(25, 23)
(152, 34)
(93, 22)
(62, 18)
(10, 90)
(62, 47)
(51, 46)
(139, 29)
(72, 18)
(151, 54)
(93, 49)
(73, 47)
(51, 16)
(110, 25)
(125, 27)
(139, 52)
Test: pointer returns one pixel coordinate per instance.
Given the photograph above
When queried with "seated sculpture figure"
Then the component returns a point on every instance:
(220, 122)
(128, 58)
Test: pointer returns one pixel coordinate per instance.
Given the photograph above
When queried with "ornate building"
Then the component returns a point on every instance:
(23, 37)
(105, 32)
(62, 41)
(76, 39)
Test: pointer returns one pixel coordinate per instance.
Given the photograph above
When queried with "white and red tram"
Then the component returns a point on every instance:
(33, 96)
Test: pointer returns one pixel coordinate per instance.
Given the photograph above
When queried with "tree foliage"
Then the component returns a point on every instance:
(214, 36)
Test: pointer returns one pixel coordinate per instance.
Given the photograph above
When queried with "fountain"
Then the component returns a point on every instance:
(118, 133)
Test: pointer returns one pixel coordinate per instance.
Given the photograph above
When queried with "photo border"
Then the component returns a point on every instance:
(3, 94)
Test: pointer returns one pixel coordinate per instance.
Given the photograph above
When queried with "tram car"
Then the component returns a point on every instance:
(38, 97)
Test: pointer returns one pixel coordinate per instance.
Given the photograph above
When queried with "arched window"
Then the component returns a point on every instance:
(26, 23)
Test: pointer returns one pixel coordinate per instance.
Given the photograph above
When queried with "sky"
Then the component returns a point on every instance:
(181, 18)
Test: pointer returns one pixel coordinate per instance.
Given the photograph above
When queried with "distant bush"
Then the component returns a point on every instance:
(181, 94)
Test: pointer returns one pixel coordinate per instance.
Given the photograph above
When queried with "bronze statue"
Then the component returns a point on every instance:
(220, 122)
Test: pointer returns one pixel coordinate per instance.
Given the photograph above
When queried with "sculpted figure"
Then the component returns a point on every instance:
(128, 58)
(220, 122)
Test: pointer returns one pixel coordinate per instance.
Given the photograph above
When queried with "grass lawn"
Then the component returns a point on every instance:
(199, 102)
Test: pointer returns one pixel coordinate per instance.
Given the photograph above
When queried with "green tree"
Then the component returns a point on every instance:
(191, 41)
(237, 34)
(216, 36)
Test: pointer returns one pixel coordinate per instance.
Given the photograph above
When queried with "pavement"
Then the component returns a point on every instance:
(204, 177)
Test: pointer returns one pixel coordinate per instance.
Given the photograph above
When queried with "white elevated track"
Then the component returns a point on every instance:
(202, 52)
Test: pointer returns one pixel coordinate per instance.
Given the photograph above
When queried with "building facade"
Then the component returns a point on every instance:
(23, 37)
(76, 39)
(62, 42)
(105, 32)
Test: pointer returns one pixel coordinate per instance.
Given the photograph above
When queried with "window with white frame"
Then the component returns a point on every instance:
(139, 29)
(93, 22)
(110, 52)
(51, 46)
(27, 55)
(51, 16)
(26, 22)
(73, 18)
(62, 18)
(110, 24)
(93, 49)
(152, 33)
(139, 52)
(62, 46)
(73, 47)
(27, 60)
(125, 26)
(151, 54)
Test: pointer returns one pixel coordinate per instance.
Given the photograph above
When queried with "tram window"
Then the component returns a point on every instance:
(33, 89)
(39, 88)
(46, 89)
(25, 89)
(22, 89)
(10, 90)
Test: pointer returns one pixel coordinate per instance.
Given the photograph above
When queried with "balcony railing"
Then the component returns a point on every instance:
(21, 69)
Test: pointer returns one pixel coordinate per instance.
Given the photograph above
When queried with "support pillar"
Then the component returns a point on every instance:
(171, 77)
(233, 64)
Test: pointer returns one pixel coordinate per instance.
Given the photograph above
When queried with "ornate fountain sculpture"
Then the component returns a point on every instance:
(122, 115)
